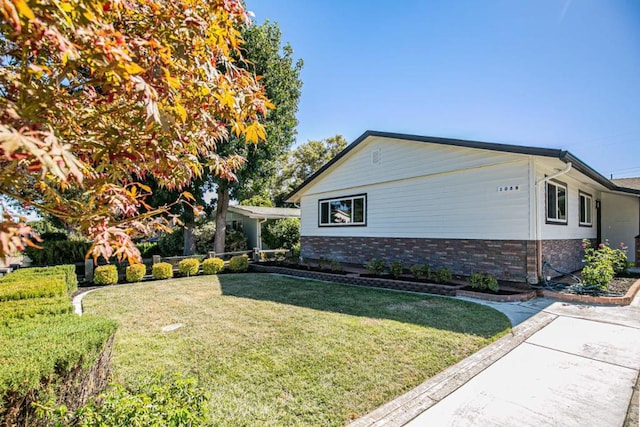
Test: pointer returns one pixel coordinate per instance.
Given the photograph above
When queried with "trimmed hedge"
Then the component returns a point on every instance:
(34, 351)
(33, 287)
(189, 267)
(58, 252)
(105, 275)
(239, 263)
(162, 270)
(212, 265)
(43, 274)
(135, 272)
(27, 308)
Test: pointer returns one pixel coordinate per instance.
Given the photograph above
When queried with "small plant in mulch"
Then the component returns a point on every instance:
(396, 268)
(420, 271)
(375, 267)
(442, 275)
(484, 281)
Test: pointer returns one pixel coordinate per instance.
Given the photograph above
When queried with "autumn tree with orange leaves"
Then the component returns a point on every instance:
(96, 96)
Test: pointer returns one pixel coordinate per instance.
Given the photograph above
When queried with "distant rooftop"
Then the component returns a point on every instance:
(633, 183)
(265, 213)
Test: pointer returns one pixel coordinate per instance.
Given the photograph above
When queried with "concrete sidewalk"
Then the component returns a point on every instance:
(564, 365)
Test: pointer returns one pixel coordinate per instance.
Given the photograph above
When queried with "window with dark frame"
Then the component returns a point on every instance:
(350, 210)
(556, 202)
(586, 209)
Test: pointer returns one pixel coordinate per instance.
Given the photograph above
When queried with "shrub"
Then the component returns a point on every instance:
(420, 271)
(171, 244)
(162, 270)
(51, 236)
(105, 275)
(35, 352)
(212, 265)
(442, 275)
(67, 272)
(598, 275)
(157, 401)
(396, 268)
(12, 289)
(295, 250)
(282, 233)
(602, 264)
(239, 263)
(58, 252)
(135, 272)
(336, 266)
(204, 235)
(375, 266)
(32, 307)
(235, 241)
(189, 267)
(482, 281)
(148, 249)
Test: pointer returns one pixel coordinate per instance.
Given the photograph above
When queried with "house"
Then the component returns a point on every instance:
(249, 219)
(466, 205)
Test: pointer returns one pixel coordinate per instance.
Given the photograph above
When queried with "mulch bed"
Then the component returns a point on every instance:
(621, 285)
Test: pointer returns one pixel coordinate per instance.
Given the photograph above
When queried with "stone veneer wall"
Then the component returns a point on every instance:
(513, 260)
(566, 255)
(638, 251)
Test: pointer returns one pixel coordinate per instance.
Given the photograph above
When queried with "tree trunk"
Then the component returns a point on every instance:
(189, 240)
(221, 219)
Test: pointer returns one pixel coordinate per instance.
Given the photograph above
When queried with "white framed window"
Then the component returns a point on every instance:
(586, 209)
(556, 202)
(343, 211)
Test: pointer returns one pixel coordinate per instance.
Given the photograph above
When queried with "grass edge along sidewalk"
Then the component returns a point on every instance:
(279, 350)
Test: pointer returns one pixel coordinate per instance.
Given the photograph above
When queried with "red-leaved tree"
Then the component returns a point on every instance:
(95, 96)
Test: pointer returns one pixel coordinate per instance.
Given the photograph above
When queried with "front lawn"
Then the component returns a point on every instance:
(275, 350)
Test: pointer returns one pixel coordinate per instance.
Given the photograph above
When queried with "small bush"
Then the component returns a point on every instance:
(148, 250)
(336, 266)
(396, 268)
(235, 240)
(171, 244)
(135, 272)
(162, 270)
(212, 265)
(105, 275)
(420, 271)
(282, 233)
(58, 252)
(204, 236)
(598, 275)
(295, 250)
(482, 281)
(602, 264)
(156, 402)
(442, 275)
(375, 267)
(189, 267)
(239, 263)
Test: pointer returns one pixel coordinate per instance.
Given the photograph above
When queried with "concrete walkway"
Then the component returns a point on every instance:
(563, 365)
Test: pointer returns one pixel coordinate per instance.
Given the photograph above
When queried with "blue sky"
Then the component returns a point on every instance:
(548, 73)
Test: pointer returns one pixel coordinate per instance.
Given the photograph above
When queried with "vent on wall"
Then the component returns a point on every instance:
(376, 157)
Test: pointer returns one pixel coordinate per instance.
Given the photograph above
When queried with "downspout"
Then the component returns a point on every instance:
(537, 213)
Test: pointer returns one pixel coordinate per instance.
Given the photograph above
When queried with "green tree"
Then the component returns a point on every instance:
(257, 200)
(302, 162)
(266, 57)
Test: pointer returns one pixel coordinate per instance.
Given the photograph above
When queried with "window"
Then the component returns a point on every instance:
(349, 210)
(586, 209)
(556, 203)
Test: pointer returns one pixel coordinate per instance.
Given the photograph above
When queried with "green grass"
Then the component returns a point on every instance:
(274, 350)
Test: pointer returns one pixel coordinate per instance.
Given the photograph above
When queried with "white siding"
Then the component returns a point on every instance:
(574, 181)
(620, 222)
(427, 191)
(401, 159)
